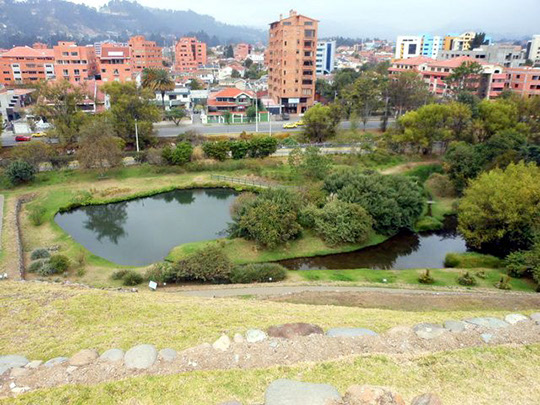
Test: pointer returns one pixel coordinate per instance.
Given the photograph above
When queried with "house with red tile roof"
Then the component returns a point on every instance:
(233, 100)
(23, 65)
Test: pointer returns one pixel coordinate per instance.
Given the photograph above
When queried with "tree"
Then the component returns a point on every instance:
(130, 104)
(58, 102)
(365, 95)
(248, 63)
(407, 91)
(235, 74)
(175, 115)
(33, 153)
(99, 148)
(218, 150)
(251, 113)
(310, 163)
(194, 84)
(496, 116)
(321, 122)
(227, 117)
(462, 163)
(466, 77)
(19, 172)
(229, 52)
(478, 40)
(158, 80)
(500, 210)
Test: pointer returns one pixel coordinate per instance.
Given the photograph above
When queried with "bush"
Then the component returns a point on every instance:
(154, 156)
(262, 146)
(19, 172)
(423, 172)
(426, 278)
(131, 278)
(440, 185)
(466, 279)
(216, 150)
(46, 269)
(37, 265)
(472, 260)
(451, 260)
(516, 264)
(258, 273)
(340, 222)
(503, 283)
(39, 254)
(210, 264)
(307, 216)
(239, 149)
(178, 156)
(59, 263)
(119, 274)
(162, 272)
(36, 214)
(428, 224)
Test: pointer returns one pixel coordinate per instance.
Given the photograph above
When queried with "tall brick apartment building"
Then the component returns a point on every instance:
(190, 54)
(144, 54)
(291, 54)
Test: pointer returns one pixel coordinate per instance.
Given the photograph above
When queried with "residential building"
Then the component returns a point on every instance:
(114, 63)
(462, 42)
(523, 80)
(242, 51)
(190, 54)
(13, 101)
(291, 62)
(144, 54)
(506, 55)
(533, 50)
(179, 97)
(22, 65)
(408, 46)
(431, 46)
(233, 100)
(74, 63)
(326, 57)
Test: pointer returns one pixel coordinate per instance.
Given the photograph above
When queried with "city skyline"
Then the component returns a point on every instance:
(385, 19)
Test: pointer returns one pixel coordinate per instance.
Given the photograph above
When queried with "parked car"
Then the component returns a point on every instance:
(38, 134)
(285, 117)
(300, 123)
(23, 138)
(290, 125)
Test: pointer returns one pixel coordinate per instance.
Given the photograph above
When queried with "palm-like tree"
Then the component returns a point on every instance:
(158, 80)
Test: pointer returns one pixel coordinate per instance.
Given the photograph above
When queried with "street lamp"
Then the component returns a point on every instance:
(136, 135)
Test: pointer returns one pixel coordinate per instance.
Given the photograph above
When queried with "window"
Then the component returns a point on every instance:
(308, 23)
(309, 33)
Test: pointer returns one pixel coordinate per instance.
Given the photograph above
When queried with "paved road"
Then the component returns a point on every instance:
(282, 290)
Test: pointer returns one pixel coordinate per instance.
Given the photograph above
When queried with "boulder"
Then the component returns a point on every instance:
(486, 337)
(18, 372)
(12, 360)
(350, 332)
(55, 361)
(84, 357)
(141, 357)
(167, 355)
(488, 322)
(512, 319)
(288, 392)
(222, 344)
(291, 330)
(370, 395)
(536, 317)
(455, 326)
(112, 355)
(255, 335)
(426, 399)
(34, 364)
(428, 330)
(238, 338)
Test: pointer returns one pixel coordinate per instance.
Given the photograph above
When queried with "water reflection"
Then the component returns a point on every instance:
(106, 221)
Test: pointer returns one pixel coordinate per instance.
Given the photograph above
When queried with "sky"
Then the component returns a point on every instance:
(382, 18)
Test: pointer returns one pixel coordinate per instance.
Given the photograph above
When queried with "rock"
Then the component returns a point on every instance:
(3, 369)
(112, 355)
(426, 399)
(536, 317)
(71, 369)
(255, 335)
(140, 357)
(56, 361)
(34, 364)
(12, 360)
(428, 330)
(455, 326)
(222, 344)
(486, 337)
(488, 322)
(238, 338)
(370, 395)
(18, 372)
(398, 330)
(350, 332)
(512, 319)
(291, 330)
(168, 355)
(20, 390)
(84, 357)
(12, 385)
(288, 392)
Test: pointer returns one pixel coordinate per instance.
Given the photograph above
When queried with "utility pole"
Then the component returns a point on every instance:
(256, 113)
(136, 135)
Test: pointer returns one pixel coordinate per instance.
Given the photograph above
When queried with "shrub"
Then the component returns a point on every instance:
(59, 263)
(46, 269)
(239, 149)
(37, 265)
(466, 279)
(39, 254)
(258, 273)
(131, 278)
(503, 283)
(516, 264)
(262, 146)
(36, 214)
(216, 150)
(180, 155)
(210, 264)
(423, 172)
(162, 272)
(440, 186)
(19, 172)
(340, 222)
(154, 156)
(471, 260)
(428, 224)
(426, 278)
(307, 216)
(119, 274)
(451, 260)
(80, 257)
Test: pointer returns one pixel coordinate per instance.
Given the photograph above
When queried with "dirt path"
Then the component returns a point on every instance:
(407, 166)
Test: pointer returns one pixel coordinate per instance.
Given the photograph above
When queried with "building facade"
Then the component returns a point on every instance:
(144, 54)
(74, 63)
(431, 46)
(408, 46)
(533, 50)
(23, 65)
(292, 62)
(523, 80)
(114, 63)
(242, 51)
(190, 54)
(326, 57)
(502, 54)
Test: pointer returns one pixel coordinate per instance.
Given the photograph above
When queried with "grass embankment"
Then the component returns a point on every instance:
(395, 278)
(472, 260)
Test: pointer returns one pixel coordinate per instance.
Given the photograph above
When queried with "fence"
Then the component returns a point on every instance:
(247, 182)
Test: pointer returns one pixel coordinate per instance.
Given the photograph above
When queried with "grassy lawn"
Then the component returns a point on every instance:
(45, 321)
(443, 277)
(489, 375)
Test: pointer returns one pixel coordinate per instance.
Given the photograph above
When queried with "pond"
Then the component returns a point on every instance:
(142, 231)
(403, 251)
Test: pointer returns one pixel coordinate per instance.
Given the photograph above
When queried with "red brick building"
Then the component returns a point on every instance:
(190, 54)
(523, 80)
(144, 54)
(114, 63)
(23, 65)
(74, 63)
(242, 51)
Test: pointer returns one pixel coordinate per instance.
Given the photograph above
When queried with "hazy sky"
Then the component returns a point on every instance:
(384, 18)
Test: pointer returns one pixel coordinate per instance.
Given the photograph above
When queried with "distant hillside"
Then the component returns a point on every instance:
(25, 22)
